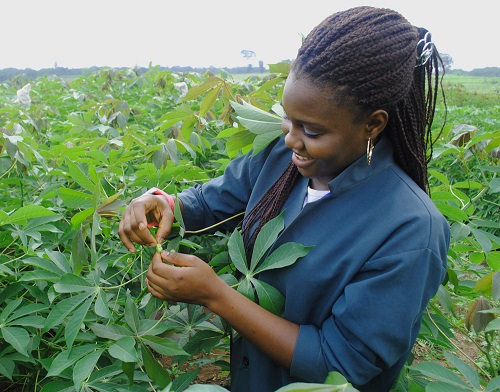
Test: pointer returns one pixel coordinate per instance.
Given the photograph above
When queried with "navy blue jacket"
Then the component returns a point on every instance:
(379, 255)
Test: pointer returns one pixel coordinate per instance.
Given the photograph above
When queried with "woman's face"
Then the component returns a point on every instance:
(323, 136)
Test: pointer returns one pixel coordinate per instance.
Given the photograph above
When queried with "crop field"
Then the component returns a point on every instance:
(75, 313)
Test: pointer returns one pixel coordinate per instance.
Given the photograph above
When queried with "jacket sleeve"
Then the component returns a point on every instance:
(374, 322)
(224, 196)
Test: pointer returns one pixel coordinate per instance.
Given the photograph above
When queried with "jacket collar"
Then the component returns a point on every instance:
(359, 170)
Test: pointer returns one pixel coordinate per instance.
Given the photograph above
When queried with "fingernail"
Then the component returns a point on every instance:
(165, 253)
(142, 226)
(131, 250)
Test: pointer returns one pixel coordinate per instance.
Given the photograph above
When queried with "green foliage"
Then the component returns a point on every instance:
(75, 314)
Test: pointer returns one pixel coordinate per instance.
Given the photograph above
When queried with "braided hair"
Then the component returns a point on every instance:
(372, 58)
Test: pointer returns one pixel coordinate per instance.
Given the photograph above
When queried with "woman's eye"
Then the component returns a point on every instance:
(309, 133)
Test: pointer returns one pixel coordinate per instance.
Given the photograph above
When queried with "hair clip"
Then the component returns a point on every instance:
(427, 49)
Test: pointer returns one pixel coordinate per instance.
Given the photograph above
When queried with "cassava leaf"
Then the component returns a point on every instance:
(284, 256)
(154, 369)
(269, 297)
(124, 350)
(163, 346)
(237, 252)
(21, 215)
(266, 238)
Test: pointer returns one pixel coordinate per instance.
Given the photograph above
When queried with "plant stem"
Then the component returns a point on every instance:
(458, 348)
(214, 225)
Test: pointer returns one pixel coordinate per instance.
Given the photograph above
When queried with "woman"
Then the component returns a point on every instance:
(351, 175)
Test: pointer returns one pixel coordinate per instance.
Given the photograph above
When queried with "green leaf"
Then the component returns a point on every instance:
(468, 372)
(77, 175)
(210, 99)
(204, 340)
(269, 297)
(124, 350)
(75, 321)
(237, 252)
(441, 177)
(60, 260)
(483, 240)
(452, 212)
(493, 260)
(445, 299)
(39, 275)
(439, 373)
(493, 325)
(7, 366)
(71, 283)
(183, 380)
(262, 141)
(128, 368)
(493, 385)
(163, 346)
(84, 367)
(27, 309)
(21, 215)
(495, 286)
(195, 91)
(75, 199)
(111, 331)
(335, 378)
(44, 264)
(246, 288)
(205, 388)
(248, 111)
(314, 387)
(68, 358)
(131, 314)
(62, 309)
(285, 255)
(58, 386)
(79, 255)
(266, 238)
(261, 127)
(441, 386)
(8, 309)
(78, 218)
(17, 338)
(495, 185)
(101, 305)
(29, 321)
(154, 369)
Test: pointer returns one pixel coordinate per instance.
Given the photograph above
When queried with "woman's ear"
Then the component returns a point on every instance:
(377, 121)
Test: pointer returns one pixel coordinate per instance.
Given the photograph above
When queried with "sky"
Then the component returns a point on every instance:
(201, 33)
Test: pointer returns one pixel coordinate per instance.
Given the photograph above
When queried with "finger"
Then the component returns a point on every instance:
(178, 259)
(124, 238)
(155, 290)
(165, 224)
(139, 224)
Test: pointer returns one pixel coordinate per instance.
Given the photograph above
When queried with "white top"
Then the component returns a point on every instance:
(314, 194)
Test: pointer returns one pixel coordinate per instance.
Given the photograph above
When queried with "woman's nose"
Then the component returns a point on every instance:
(292, 139)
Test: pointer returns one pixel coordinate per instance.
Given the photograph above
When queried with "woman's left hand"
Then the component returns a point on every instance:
(183, 278)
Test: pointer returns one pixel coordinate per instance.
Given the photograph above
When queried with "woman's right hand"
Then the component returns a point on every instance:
(142, 211)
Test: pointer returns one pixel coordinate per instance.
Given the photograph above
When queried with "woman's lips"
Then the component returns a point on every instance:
(300, 161)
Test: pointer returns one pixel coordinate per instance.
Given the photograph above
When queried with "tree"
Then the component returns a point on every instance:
(248, 54)
(447, 61)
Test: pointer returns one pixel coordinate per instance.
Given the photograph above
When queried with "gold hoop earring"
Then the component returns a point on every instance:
(369, 151)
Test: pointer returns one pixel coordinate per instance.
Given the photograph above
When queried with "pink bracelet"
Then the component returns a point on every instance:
(170, 200)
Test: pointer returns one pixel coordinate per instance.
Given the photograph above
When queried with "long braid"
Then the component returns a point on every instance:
(268, 207)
